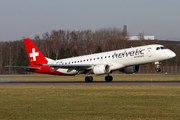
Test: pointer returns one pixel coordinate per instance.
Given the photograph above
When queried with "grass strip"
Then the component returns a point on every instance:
(90, 102)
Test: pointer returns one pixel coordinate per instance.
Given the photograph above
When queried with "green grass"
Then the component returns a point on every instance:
(90, 102)
(116, 77)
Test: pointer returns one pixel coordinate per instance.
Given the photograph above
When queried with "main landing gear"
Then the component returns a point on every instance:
(108, 78)
(88, 79)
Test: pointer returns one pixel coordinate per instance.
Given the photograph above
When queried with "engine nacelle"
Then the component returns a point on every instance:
(131, 69)
(101, 69)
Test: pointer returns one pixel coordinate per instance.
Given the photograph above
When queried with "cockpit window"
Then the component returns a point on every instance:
(158, 48)
(161, 48)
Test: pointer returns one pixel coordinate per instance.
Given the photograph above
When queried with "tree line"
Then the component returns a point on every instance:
(64, 43)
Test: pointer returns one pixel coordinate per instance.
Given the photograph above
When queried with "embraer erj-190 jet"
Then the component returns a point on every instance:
(125, 60)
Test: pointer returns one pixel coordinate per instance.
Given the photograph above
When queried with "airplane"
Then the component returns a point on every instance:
(125, 60)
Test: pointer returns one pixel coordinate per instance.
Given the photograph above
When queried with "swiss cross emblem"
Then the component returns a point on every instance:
(34, 54)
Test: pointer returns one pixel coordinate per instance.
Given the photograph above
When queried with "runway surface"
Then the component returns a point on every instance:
(89, 83)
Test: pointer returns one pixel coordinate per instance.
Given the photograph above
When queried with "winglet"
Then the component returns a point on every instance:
(34, 55)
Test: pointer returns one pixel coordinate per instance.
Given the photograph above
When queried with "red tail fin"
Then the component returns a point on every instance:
(34, 55)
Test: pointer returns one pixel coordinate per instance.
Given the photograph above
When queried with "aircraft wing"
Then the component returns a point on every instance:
(69, 67)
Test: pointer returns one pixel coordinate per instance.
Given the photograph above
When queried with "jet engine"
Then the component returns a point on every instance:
(101, 69)
(131, 69)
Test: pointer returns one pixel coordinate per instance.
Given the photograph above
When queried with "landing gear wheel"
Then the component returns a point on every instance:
(158, 70)
(89, 79)
(108, 78)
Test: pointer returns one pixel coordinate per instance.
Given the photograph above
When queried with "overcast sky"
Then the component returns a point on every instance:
(27, 18)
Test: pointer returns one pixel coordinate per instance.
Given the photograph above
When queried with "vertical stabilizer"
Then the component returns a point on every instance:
(34, 55)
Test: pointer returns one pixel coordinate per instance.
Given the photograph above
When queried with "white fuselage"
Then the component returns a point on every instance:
(119, 59)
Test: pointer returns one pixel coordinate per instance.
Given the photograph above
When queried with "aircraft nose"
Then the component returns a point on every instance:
(171, 54)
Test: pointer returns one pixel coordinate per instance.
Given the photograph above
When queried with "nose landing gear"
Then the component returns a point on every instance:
(158, 69)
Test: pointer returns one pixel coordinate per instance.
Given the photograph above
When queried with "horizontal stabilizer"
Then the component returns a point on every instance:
(24, 67)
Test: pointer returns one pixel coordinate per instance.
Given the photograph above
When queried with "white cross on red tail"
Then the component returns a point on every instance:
(34, 54)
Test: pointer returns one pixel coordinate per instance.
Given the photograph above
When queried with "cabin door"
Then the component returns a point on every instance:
(149, 52)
